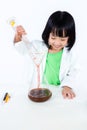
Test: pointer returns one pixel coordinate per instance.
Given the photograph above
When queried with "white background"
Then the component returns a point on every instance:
(33, 15)
(19, 113)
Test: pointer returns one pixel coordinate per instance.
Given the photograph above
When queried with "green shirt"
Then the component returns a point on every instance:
(52, 68)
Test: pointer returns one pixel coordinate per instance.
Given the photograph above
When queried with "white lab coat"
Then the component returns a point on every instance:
(69, 66)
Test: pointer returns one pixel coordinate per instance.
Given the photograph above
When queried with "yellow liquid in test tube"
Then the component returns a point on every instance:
(12, 23)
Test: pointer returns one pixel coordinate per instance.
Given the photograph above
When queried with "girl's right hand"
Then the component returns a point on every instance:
(19, 32)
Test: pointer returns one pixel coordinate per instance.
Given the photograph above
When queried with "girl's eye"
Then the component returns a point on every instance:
(62, 39)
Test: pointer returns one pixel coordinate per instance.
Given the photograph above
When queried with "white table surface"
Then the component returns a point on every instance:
(20, 113)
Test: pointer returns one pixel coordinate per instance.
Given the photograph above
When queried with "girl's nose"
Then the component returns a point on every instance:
(57, 42)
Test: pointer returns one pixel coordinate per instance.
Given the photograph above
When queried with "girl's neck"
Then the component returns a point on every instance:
(53, 51)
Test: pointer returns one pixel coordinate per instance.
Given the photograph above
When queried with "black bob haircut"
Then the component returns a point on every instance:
(61, 24)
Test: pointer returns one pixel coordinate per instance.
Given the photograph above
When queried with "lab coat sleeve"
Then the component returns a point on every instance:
(23, 46)
(72, 76)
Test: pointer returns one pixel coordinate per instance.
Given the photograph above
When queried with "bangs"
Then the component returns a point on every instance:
(61, 32)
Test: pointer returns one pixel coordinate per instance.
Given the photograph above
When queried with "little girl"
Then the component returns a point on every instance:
(60, 62)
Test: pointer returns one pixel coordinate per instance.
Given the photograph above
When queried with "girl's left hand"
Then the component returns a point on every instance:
(67, 92)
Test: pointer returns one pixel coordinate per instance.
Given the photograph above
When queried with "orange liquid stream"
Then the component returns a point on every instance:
(38, 75)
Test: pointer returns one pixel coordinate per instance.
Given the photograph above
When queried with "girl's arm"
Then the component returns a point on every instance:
(70, 80)
(21, 41)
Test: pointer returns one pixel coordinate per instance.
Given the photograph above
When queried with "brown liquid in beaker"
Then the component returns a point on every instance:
(40, 94)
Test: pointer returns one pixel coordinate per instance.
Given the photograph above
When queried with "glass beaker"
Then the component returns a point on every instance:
(39, 92)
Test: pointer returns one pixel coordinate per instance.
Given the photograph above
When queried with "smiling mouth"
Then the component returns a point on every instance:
(57, 46)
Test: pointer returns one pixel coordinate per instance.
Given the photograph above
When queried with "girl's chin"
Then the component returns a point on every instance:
(57, 49)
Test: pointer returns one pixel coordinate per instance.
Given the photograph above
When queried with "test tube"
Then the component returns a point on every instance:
(12, 22)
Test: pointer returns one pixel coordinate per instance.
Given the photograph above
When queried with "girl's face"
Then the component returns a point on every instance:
(57, 43)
